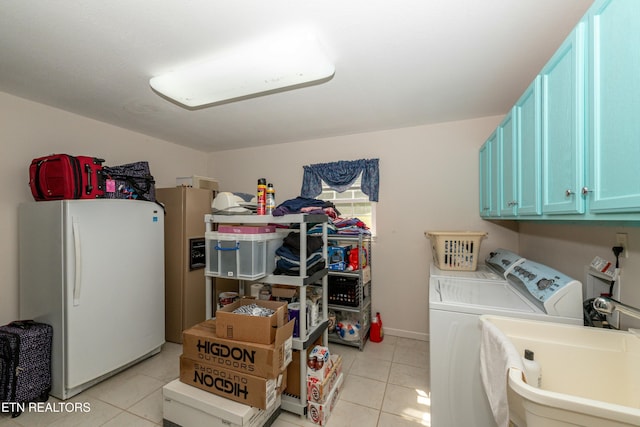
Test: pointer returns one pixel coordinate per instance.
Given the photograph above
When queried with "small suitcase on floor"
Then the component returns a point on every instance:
(61, 176)
(25, 363)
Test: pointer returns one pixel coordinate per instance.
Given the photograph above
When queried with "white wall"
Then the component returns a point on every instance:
(428, 181)
(571, 247)
(31, 130)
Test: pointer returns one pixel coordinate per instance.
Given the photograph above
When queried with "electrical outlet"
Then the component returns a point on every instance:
(621, 240)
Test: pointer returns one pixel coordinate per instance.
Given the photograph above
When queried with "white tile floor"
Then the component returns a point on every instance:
(386, 385)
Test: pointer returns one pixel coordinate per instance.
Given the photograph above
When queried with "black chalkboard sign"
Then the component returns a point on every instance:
(197, 257)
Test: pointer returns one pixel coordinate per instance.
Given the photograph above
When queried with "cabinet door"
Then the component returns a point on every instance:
(528, 130)
(485, 179)
(508, 166)
(496, 175)
(489, 177)
(614, 104)
(563, 127)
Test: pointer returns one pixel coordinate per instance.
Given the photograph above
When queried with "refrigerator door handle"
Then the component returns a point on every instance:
(78, 264)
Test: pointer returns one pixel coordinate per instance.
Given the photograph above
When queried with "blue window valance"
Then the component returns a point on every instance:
(340, 176)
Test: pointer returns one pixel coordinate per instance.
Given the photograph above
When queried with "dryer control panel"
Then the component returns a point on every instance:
(554, 292)
(503, 261)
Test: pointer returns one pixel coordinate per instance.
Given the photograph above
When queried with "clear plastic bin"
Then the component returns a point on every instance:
(241, 256)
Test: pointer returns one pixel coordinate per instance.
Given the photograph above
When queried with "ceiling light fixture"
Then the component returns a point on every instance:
(281, 63)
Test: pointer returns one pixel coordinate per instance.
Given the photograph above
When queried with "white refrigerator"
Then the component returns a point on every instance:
(94, 270)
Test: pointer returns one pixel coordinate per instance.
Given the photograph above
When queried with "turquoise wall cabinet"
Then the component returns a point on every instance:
(562, 81)
(576, 129)
(485, 179)
(508, 152)
(614, 107)
(490, 177)
(527, 112)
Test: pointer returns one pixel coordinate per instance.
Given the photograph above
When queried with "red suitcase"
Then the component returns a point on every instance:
(61, 176)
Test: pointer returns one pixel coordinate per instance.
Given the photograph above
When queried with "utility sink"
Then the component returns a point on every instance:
(590, 376)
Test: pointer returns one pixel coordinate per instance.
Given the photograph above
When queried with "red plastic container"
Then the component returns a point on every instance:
(376, 333)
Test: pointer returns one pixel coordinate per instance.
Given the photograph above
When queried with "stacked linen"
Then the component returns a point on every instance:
(306, 205)
(343, 226)
(288, 257)
(350, 226)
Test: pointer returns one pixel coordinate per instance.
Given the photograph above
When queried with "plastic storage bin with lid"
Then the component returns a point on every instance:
(241, 256)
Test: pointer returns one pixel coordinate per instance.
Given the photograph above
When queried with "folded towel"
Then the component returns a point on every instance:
(497, 356)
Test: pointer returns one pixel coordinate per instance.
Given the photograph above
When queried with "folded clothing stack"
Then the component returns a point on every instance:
(288, 255)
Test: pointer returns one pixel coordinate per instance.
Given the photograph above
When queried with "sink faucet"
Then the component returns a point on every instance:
(605, 305)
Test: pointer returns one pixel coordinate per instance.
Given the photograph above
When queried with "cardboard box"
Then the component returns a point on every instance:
(196, 181)
(284, 291)
(293, 370)
(320, 370)
(262, 360)
(255, 329)
(185, 406)
(318, 391)
(240, 387)
(318, 413)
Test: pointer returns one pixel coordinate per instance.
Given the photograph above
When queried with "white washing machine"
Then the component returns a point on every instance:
(481, 273)
(508, 285)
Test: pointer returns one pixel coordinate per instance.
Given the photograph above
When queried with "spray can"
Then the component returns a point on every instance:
(262, 196)
(271, 199)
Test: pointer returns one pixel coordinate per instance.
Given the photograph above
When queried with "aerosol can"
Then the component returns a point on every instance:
(262, 196)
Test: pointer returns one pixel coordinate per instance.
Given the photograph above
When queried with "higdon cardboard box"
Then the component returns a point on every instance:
(262, 360)
(185, 406)
(255, 329)
(240, 387)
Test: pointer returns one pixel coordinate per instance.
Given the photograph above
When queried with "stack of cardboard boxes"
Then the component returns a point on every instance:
(324, 381)
(239, 357)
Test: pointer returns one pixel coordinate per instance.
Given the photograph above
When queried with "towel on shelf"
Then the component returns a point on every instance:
(497, 356)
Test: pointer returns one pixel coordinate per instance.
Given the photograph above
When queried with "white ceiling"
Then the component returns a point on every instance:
(398, 63)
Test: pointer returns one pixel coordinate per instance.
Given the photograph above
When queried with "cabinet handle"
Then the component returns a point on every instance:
(569, 193)
(585, 191)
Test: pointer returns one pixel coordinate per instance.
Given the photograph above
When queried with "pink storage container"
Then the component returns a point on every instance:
(246, 229)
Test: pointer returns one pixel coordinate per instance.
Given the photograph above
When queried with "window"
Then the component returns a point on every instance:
(352, 203)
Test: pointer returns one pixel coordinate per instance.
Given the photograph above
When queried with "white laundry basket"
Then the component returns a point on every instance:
(455, 250)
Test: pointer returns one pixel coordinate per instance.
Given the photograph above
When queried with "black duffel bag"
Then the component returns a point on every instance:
(130, 181)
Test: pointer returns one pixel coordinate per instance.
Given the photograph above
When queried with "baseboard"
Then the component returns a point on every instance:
(420, 336)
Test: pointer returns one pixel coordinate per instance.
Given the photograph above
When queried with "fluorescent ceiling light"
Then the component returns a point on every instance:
(280, 63)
